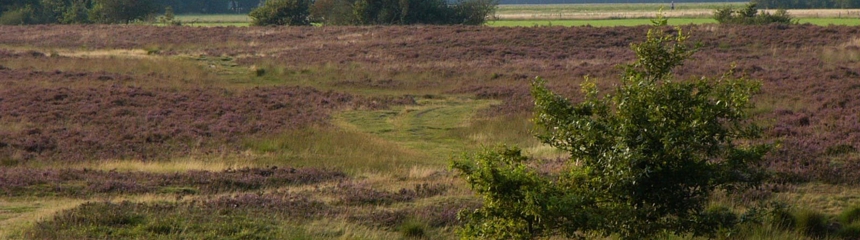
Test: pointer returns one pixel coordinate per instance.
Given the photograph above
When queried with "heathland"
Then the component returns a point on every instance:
(172, 132)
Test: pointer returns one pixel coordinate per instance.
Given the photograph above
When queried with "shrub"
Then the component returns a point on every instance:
(647, 156)
(750, 16)
(282, 12)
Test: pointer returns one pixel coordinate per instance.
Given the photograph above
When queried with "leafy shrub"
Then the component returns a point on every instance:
(751, 16)
(648, 155)
(282, 12)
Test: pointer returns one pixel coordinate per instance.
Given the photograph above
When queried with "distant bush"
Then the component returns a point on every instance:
(750, 15)
(401, 12)
(282, 12)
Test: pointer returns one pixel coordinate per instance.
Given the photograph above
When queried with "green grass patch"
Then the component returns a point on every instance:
(214, 18)
(831, 21)
(424, 134)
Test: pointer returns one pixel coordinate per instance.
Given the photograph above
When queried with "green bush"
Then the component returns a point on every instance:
(751, 16)
(648, 155)
(282, 12)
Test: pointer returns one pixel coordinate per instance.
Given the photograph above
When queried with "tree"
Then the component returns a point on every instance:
(644, 159)
(121, 11)
(282, 12)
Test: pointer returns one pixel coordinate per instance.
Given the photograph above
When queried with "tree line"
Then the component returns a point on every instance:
(75, 11)
(264, 12)
(372, 12)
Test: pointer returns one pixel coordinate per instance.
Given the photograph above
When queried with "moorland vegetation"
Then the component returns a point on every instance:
(346, 132)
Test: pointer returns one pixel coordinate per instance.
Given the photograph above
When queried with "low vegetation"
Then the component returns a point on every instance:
(750, 15)
(175, 130)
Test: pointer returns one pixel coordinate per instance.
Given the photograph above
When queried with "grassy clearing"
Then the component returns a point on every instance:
(831, 21)
(426, 134)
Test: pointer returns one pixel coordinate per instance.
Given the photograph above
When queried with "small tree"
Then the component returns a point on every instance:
(282, 12)
(643, 159)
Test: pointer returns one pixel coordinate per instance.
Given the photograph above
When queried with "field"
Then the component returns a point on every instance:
(347, 132)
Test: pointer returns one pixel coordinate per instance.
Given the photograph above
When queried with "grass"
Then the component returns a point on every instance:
(214, 20)
(831, 21)
(426, 134)
(17, 215)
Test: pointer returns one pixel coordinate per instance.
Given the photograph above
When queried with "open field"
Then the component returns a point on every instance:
(347, 132)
